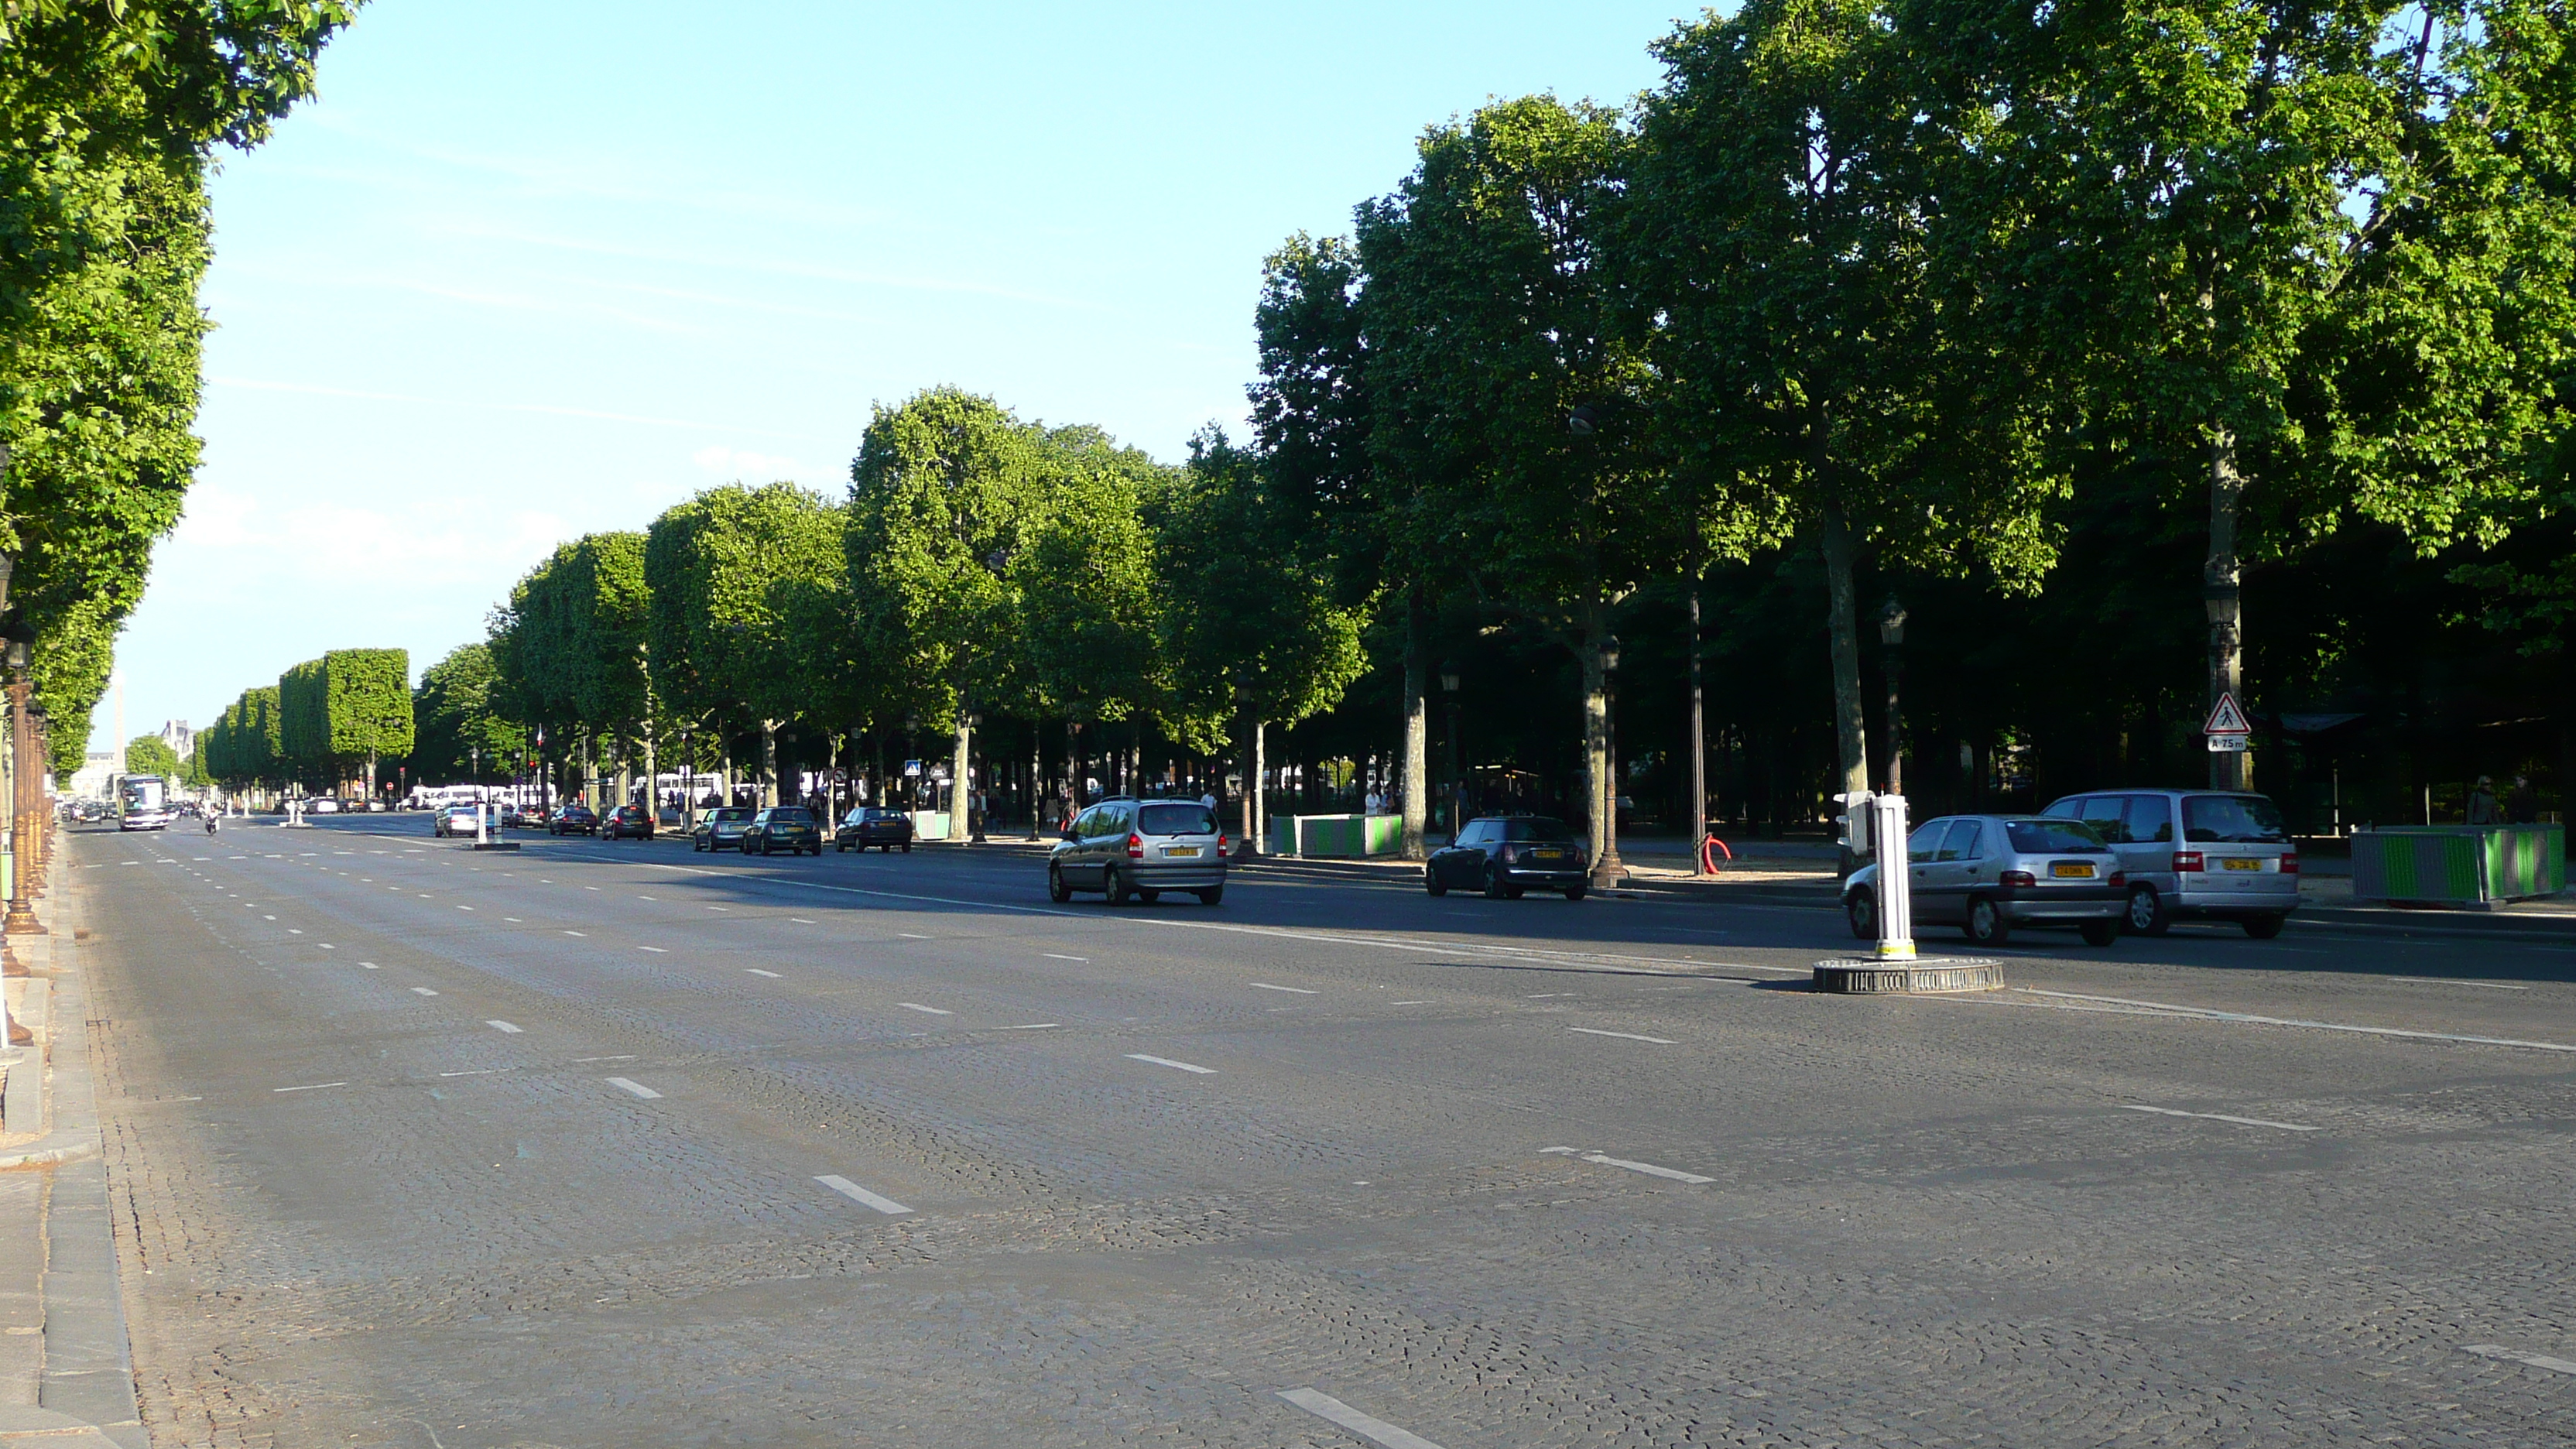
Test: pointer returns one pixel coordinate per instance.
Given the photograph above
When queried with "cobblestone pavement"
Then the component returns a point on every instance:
(411, 1145)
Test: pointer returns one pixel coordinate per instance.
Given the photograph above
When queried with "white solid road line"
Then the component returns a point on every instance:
(2207, 1013)
(756, 971)
(1300, 990)
(856, 1193)
(1168, 1062)
(1648, 1168)
(422, 991)
(315, 1087)
(933, 1010)
(638, 1088)
(1623, 1035)
(502, 1026)
(1333, 1410)
(2216, 1117)
(2515, 1355)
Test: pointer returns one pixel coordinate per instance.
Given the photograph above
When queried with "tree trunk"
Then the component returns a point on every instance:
(1597, 789)
(769, 762)
(961, 786)
(652, 776)
(1417, 727)
(1851, 729)
(1698, 745)
(2220, 580)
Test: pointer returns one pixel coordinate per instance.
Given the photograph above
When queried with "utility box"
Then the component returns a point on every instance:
(1343, 837)
(2473, 867)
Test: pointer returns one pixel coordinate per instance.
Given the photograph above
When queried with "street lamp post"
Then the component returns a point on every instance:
(1891, 637)
(21, 919)
(1457, 781)
(965, 787)
(688, 787)
(1609, 870)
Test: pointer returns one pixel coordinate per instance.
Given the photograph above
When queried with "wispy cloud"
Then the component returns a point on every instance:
(548, 409)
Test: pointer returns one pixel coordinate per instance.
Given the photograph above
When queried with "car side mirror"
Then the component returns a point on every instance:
(1069, 835)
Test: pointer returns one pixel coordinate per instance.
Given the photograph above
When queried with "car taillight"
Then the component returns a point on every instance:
(2289, 862)
(2187, 860)
(1135, 847)
(1220, 842)
(2018, 878)
(1511, 853)
(2118, 879)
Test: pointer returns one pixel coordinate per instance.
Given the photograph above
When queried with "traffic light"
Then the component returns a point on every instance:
(1852, 826)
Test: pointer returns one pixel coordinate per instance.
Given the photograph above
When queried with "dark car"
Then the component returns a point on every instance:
(791, 828)
(1508, 854)
(574, 818)
(721, 828)
(882, 826)
(1138, 849)
(627, 822)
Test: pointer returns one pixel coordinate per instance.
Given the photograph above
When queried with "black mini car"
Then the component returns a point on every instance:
(627, 822)
(782, 827)
(574, 818)
(1505, 855)
(882, 826)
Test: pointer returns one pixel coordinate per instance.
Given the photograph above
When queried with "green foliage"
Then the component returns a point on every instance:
(457, 717)
(572, 640)
(304, 720)
(738, 577)
(151, 755)
(369, 702)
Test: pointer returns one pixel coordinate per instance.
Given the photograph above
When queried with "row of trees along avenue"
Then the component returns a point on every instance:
(327, 724)
(2078, 325)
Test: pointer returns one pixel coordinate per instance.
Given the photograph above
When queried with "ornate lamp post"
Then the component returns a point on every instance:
(1457, 781)
(688, 787)
(21, 920)
(1609, 870)
(1891, 637)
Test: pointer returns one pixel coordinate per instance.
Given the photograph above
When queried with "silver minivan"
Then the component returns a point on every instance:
(2207, 854)
(1988, 874)
(1137, 849)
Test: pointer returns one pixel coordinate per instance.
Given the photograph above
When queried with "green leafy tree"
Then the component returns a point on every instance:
(151, 755)
(347, 707)
(461, 732)
(736, 577)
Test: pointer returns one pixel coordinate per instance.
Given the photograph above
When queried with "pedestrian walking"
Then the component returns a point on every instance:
(2522, 803)
(2482, 803)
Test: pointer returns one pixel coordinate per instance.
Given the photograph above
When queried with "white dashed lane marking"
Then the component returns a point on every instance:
(1300, 990)
(637, 1088)
(422, 991)
(2216, 1117)
(2515, 1355)
(858, 1194)
(1622, 1035)
(1334, 1411)
(502, 1026)
(1050, 955)
(315, 1087)
(1168, 1062)
(933, 1010)
(1648, 1168)
(756, 971)
(656, 950)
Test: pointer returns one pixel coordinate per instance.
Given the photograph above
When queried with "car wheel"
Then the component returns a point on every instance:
(1861, 909)
(2100, 933)
(907, 847)
(2263, 928)
(1119, 892)
(1057, 890)
(1577, 892)
(1987, 925)
(1213, 895)
(2147, 914)
(1493, 882)
(1432, 883)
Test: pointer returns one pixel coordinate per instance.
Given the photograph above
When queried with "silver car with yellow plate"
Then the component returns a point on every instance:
(1131, 850)
(1990, 875)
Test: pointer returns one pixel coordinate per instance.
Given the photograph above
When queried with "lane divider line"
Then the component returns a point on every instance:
(2515, 1355)
(1333, 1411)
(1300, 990)
(1648, 1168)
(637, 1088)
(2217, 1117)
(756, 971)
(858, 1194)
(502, 1026)
(1623, 1035)
(2209, 1013)
(1168, 1062)
(933, 1010)
(315, 1087)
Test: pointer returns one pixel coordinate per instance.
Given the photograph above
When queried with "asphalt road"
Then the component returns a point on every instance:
(613, 1144)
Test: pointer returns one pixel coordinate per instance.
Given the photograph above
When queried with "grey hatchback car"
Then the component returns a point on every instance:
(2207, 854)
(1988, 874)
(1137, 849)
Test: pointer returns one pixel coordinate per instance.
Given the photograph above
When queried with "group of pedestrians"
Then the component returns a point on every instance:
(2521, 804)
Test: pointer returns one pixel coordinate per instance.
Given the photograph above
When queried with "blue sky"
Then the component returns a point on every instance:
(525, 272)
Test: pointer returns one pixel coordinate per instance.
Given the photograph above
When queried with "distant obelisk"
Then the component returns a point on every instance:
(119, 767)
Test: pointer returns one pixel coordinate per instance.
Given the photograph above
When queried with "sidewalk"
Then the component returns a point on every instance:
(66, 1374)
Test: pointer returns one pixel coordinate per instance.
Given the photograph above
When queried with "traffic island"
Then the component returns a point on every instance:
(1909, 978)
(494, 845)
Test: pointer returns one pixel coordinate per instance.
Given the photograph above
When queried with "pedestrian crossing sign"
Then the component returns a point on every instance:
(2226, 718)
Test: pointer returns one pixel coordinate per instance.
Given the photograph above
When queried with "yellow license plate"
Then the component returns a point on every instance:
(2071, 870)
(1547, 855)
(1180, 850)
(2241, 863)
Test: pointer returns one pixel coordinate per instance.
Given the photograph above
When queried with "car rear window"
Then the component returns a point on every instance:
(2053, 837)
(1182, 819)
(731, 812)
(798, 815)
(1536, 829)
(2233, 820)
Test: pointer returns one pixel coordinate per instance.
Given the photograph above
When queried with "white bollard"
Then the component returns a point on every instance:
(1895, 887)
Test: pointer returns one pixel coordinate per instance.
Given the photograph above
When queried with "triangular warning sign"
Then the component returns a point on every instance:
(2227, 719)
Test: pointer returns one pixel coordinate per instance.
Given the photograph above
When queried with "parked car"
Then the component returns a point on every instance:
(453, 821)
(1991, 874)
(1137, 849)
(882, 826)
(574, 818)
(627, 822)
(322, 805)
(782, 827)
(1508, 854)
(2231, 859)
(721, 828)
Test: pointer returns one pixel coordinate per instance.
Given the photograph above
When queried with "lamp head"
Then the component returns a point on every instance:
(1449, 676)
(1610, 653)
(17, 655)
(1891, 622)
